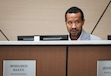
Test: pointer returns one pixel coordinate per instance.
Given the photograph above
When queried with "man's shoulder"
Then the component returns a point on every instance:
(93, 37)
(88, 36)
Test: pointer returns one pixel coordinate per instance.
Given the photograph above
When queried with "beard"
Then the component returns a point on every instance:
(75, 33)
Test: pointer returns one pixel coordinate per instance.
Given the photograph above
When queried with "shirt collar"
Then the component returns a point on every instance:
(80, 37)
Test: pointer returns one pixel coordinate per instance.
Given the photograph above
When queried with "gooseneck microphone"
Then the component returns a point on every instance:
(101, 17)
(4, 35)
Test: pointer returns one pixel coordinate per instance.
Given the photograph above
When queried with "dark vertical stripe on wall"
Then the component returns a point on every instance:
(66, 60)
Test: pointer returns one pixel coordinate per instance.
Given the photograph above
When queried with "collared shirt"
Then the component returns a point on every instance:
(86, 36)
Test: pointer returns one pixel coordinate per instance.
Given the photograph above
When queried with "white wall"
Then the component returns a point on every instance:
(46, 17)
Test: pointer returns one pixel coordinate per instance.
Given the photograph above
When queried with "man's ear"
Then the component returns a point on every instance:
(83, 21)
(66, 21)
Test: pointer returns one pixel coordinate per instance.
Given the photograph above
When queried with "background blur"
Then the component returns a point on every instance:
(46, 17)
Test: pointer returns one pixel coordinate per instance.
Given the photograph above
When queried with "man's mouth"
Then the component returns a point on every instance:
(74, 30)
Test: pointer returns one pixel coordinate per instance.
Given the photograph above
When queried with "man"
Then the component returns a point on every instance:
(74, 19)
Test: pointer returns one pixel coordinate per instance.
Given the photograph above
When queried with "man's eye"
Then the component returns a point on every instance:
(70, 23)
(77, 22)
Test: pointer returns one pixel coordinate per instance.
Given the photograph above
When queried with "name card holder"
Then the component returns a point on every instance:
(104, 68)
(19, 67)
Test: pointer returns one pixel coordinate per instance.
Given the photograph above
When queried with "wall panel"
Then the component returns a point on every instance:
(36, 17)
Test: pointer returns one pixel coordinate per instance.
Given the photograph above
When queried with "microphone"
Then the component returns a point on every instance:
(101, 17)
(4, 35)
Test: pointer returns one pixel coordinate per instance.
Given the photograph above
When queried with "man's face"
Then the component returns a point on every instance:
(74, 24)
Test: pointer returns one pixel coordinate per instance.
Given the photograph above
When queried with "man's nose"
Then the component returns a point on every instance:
(73, 25)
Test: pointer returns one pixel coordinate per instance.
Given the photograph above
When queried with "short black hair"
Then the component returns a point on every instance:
(74, 10)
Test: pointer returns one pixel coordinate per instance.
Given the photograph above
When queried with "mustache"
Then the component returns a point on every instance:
(74, 29)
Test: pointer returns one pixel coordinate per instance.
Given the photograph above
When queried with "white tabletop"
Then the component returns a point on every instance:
(92, 42)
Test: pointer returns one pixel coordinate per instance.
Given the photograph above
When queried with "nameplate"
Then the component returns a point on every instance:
(19, 67)
(104, 68)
